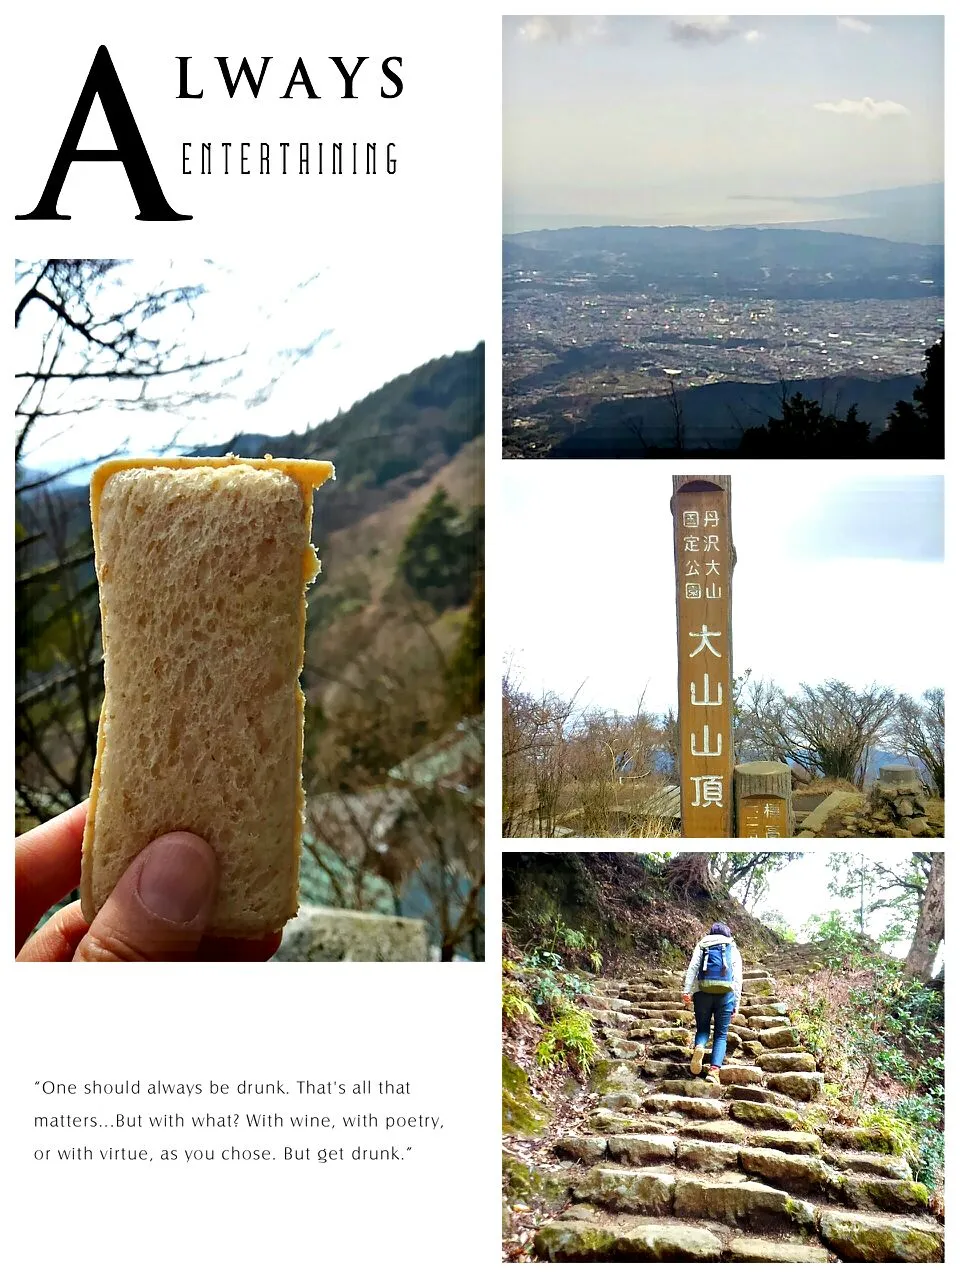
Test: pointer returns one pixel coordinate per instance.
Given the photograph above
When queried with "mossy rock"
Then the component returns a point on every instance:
(523, 1183)
(574, 1242)
(859, 1139)
(522, 1112)
(860, 1238)
(760, 1114)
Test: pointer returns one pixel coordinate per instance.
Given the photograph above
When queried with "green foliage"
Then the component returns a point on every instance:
(806, 430)
(776, 921)
(844, 943)
(917, 430)
(874, 885)
(596, 961)
(516, 1005)
(464, 676)
(890, 1028)
(915, 1126)
(440, 556)
(569, 1038)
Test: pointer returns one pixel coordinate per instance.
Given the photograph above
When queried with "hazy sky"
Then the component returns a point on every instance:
(319, 334)
(799, 890)
(670, 119)
(831, 563)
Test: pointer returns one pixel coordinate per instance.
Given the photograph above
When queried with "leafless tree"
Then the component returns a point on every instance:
(917, 732)
(78, 350)
(828, 729)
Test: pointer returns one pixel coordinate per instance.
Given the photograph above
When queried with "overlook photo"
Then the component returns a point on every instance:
(717, 657)
(739, 252)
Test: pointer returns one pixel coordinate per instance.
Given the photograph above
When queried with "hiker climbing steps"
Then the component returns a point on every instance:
(670, 1167)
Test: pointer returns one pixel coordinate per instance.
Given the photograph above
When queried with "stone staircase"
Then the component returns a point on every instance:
(669, 1168)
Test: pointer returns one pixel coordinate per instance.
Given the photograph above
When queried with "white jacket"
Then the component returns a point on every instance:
(691, 982)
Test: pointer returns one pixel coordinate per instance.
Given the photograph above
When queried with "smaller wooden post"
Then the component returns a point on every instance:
(763, 796)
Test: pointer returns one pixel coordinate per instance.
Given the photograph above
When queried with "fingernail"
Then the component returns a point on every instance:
(177, 878)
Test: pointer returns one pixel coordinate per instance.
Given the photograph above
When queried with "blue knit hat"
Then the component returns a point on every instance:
(721, 928)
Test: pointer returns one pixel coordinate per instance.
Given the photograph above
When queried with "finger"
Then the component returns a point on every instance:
(160, 905)
(239, 949)
(47, 867)
(59, 937)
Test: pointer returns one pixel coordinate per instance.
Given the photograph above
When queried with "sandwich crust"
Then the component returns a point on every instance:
(202, 565)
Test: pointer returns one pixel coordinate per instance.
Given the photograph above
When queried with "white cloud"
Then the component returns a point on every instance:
(752, 35)
(709, 30)
(543, 29)
(865, 107)
(855, 24)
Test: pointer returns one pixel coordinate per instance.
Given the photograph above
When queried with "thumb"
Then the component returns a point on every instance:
(160, 905)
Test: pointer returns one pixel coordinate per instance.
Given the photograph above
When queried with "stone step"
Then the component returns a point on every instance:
(778, 1062)
(605, 1002)
(612, 1018)
(731, 1131)
(868, 1192)
(762, 1115)
(802, 1086)
(860, 1237)
(646, 1014)
(655, 1069)
(805, 1174)
(606, 1121)
(740, 1073)
(886, 1166)
(859, 1139)
(750, 1093)
(753, 988)
(742, 1204)
(797, 1141)
(707, 1157)
(761, 1249)
(691, 1087)
(671, 1035)
(624, 1049)
(611, 1076)
(775, 1010)
(584, 1147)
(625, 1190)
(640, 1149)
(573, 1241)
(774, 1033)
(695, 1108)
(671, 1053)
(620, 1101)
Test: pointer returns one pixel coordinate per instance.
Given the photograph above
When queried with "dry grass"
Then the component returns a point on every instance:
(823, 786)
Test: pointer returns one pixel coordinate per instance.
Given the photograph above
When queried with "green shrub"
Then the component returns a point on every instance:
(515, 1004)
(569, 1038)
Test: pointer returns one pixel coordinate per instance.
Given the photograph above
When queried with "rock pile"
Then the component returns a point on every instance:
(898, 800)
(668, 1168)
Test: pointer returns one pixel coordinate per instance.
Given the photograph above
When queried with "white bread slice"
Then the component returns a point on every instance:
(202, 565)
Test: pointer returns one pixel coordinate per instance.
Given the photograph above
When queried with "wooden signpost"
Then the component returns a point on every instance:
(704, 556)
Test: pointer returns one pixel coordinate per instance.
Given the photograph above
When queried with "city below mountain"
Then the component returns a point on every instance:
(622, 340)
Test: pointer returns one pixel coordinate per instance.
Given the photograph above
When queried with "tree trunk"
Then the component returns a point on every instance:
(929, 932)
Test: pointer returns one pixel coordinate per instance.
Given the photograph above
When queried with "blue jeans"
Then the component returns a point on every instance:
(719, 1007)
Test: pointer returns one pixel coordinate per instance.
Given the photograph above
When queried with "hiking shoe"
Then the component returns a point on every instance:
(696, 1062)
(712, 1077)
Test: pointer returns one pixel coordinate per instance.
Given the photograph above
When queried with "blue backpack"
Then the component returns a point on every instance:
(716, 969)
